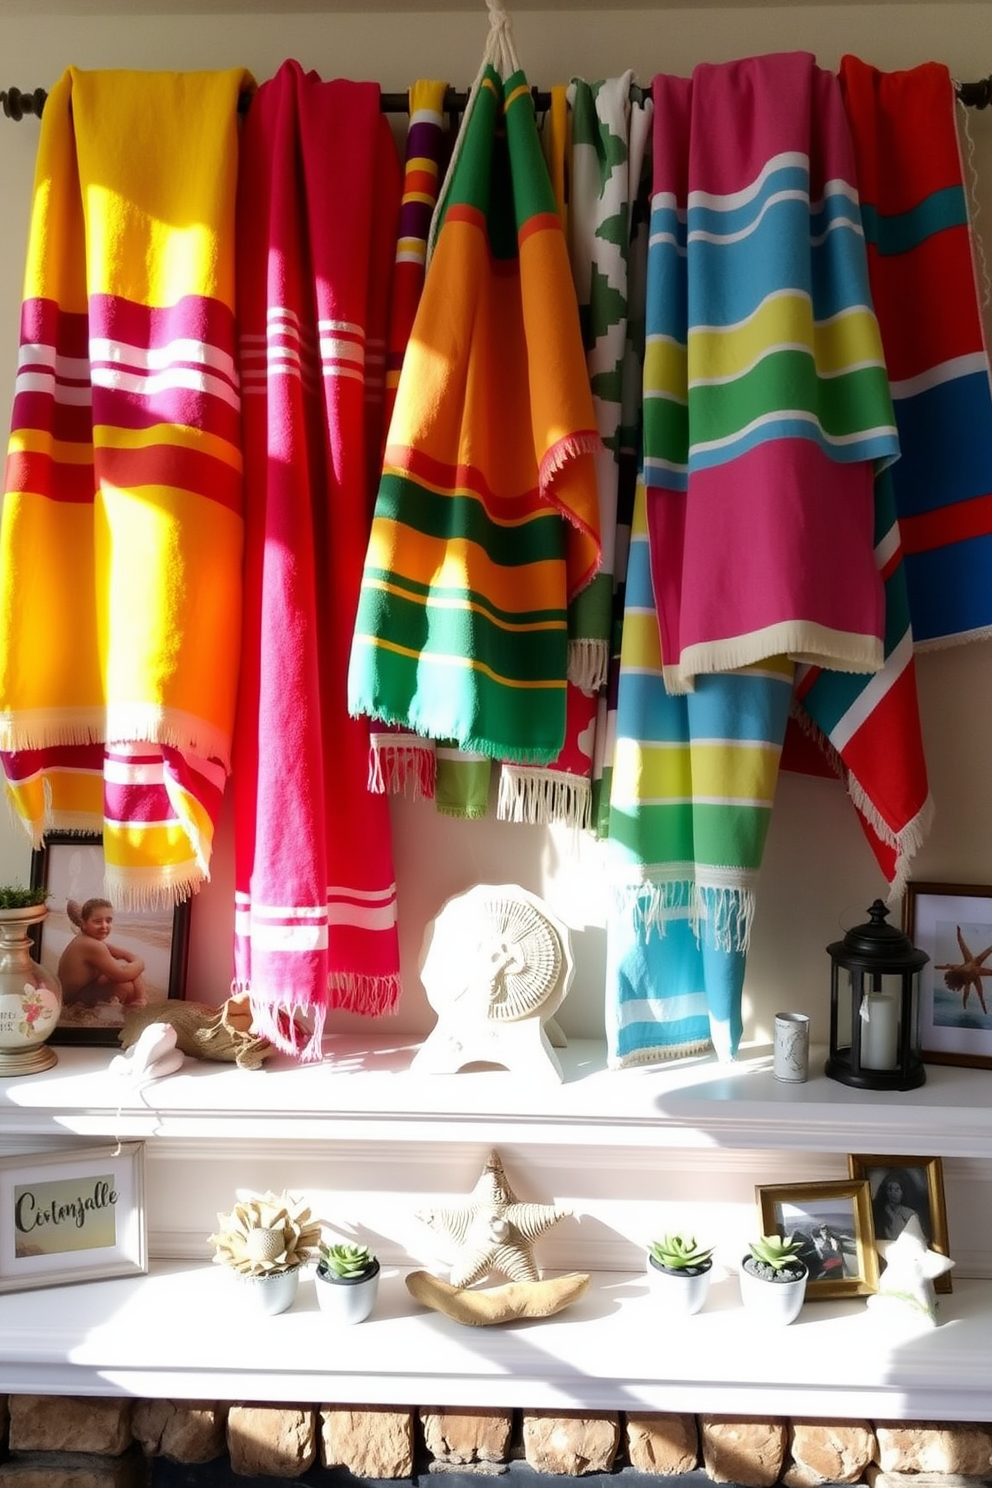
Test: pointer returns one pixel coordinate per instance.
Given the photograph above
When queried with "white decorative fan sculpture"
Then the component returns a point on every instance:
(496, 965)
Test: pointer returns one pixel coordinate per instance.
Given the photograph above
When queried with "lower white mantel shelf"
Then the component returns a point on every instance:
(183, 1332)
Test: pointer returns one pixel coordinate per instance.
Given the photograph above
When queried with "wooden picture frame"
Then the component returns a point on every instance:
(921, 1181)
(73, 1215)
(952, 923)
(834, 1222)
(71, 867)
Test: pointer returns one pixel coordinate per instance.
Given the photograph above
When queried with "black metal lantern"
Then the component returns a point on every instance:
(874, 1007)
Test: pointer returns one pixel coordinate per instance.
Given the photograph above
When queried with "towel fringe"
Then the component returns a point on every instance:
(137, 891)
(398, 767)
(544, 798)
(720, 914)
(372, 996)
(27, 733)
(588, 662)
(119, 727)
(286, 1025)
(906, 844)
(659, 1053)
(485, 748)
(806, 643)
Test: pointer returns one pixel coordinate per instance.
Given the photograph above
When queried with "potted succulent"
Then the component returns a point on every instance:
(30, 995)
(347, 1280)
(679, 1269)
(265, 1240)
(773, 1277)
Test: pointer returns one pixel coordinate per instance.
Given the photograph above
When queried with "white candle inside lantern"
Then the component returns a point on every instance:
(880, 1030)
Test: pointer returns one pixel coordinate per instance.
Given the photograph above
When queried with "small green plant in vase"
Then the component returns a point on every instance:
(347, 1280)
(774, 1258)
(15, 896)
(681, 1253)
(773, 1276)
(679, 1270)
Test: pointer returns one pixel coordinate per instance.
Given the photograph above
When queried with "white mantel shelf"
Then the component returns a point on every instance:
(366, 1091)
(183, 1332)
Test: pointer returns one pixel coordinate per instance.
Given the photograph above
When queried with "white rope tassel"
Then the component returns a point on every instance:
(501, 38)
(501, 54)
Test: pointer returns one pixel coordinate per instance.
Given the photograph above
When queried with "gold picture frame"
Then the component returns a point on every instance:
(922, 1193)
(834, 1222)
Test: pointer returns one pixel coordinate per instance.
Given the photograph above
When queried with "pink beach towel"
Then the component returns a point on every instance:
(315, 891)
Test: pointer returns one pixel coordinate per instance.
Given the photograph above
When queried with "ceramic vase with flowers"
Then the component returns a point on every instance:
(347, 1281)
(265, 1240)
(679, 1269)
(773, 1278)
(30, 996)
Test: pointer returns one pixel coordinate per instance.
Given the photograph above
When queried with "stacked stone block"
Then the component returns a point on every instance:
(97, 1442)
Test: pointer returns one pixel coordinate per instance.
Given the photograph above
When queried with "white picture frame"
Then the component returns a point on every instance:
(72, 1215)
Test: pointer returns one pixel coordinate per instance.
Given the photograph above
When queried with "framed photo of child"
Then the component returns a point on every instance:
(107, 959)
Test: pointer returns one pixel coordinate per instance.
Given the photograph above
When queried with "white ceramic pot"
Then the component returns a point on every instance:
(680, 1293)
(347, 1299)
(778, 1302)
(30, 997)
(273, 1292)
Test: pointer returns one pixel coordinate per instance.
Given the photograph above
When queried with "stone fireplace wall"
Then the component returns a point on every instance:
(97, 1442)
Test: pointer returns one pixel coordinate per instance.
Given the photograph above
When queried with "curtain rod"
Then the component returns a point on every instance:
(16, 104)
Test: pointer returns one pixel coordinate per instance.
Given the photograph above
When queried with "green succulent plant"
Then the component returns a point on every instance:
(776, 1252)
(15, 896)
(347, 1262)
(680, 1253)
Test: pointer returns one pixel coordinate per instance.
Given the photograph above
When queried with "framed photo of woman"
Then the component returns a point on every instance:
(903, 1188)
(106, 958)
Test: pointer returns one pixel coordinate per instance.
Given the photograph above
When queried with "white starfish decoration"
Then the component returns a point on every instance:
(493, 1232)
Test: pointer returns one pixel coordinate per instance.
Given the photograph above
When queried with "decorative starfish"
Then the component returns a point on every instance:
(493, 1232)
(963, 975)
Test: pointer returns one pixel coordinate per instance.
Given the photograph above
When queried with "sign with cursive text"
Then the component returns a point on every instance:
(72, 1215)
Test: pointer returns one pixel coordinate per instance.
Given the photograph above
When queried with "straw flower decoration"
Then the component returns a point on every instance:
(266, 1233)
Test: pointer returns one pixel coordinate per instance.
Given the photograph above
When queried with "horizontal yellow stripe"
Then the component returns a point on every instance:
(463, 663)
(461, 565)
(784, 322)
(154, 606)
(641, 644)
(108, 436)
(723, 772)
(666, 368)
(140, 846)
(510, 626)
(40, 442)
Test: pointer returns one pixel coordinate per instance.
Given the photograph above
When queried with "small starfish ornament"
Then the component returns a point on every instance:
(493, 1232)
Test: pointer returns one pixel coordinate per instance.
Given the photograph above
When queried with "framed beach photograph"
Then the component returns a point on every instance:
(107, 959)
(833, 1223)
(77, 1215)
(952, 923)
(903, 1188)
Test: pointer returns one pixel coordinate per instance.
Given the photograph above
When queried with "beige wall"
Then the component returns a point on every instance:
(818, 876)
